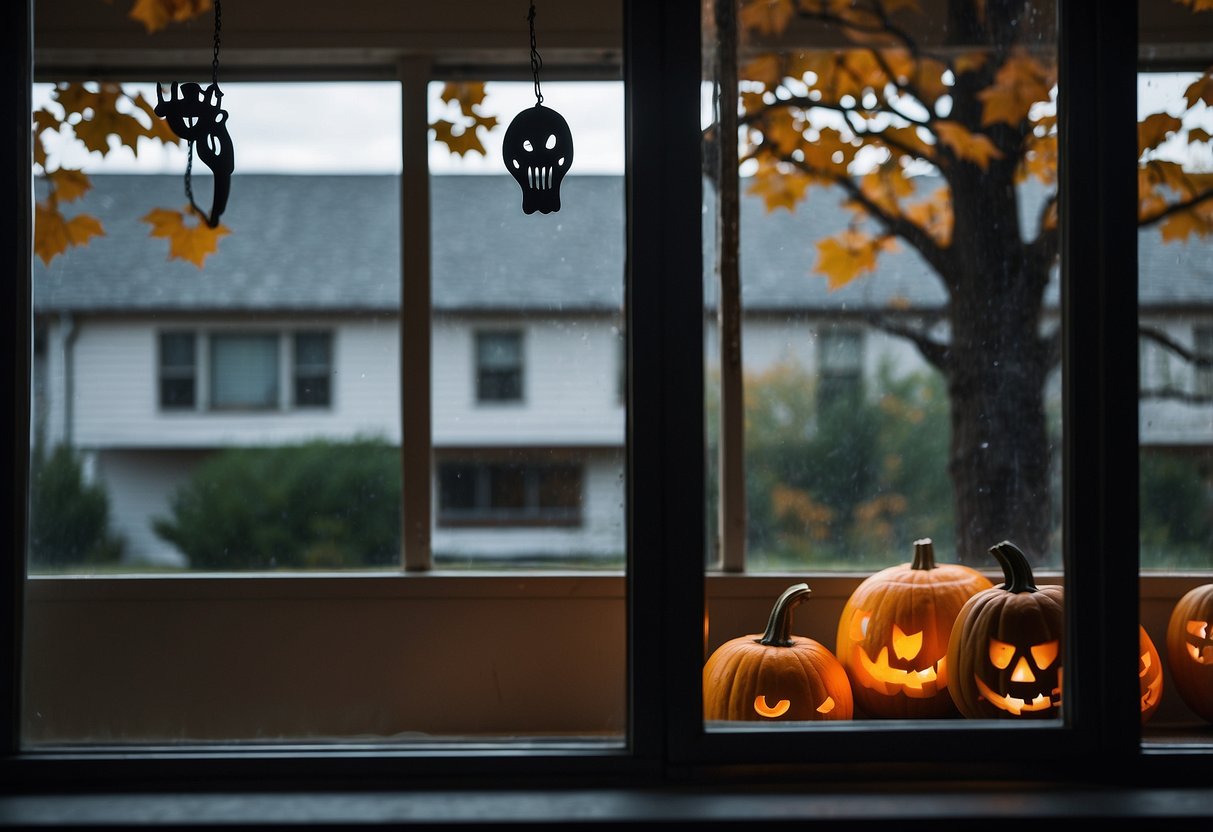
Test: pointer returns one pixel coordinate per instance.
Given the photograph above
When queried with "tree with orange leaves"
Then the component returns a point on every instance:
(884, 101)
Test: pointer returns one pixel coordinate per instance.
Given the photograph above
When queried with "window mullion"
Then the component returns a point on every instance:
(415, 412)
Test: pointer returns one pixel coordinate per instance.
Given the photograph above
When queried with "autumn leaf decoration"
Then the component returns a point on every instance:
(463, 137)
(104, 117)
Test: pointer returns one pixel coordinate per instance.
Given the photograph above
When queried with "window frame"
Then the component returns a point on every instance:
(665, 597)
(482, 371)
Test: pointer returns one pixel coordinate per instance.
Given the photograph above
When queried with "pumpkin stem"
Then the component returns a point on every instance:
(779, 625)
(1016, 571)
(924, 554)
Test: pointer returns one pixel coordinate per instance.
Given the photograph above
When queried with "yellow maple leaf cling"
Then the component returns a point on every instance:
(1018, 84)
(158, 128)
(68, 184)
(156, 14)
(1183, 224)
(460, 143)
(54, 233)
(934, 216)
(970, 147)
(767, 17)
(193, 241)
(1153, 130)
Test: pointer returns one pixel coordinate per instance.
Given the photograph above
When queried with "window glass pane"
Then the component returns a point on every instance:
(197, 401)
(528, 416)
(1175, 341)
(883, 353)
(244, 371)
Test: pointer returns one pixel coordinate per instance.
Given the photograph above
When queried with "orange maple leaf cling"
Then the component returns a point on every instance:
(44, 120)
(971, 147)
(1154, 130)
(69, 185)
(156, 14)
(1018, 84)
(192, 242)
(1198, 134)
(469, 94)
(1200, 90)
(159, 129)
(1179, 226)
(459, 143)
(54, 233)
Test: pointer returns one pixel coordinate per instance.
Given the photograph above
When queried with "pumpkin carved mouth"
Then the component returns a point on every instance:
(1015, 705)
(880, 676)
(1200, 653)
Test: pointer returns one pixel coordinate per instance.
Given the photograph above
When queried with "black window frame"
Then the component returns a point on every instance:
(315, 373)
(1100, 742)
(169, 373)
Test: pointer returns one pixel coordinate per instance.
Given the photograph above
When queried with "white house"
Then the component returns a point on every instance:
(291, 332)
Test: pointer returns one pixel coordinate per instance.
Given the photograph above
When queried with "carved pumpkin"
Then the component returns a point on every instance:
(776, 675)
(893, 635)
(1004, 657)
(1190, 649)
(1149, 670)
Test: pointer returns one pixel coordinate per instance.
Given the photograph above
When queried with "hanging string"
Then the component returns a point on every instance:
(536, 61)
(189, 153)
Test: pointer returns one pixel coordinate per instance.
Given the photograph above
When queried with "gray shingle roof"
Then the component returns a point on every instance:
(332, 243)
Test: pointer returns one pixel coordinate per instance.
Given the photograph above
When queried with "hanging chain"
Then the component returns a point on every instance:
(189, 153)
(536, 61)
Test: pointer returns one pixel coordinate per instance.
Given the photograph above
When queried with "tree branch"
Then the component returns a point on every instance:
(894, 224)
(1175, 208)
(1196, 359)
(937, 353)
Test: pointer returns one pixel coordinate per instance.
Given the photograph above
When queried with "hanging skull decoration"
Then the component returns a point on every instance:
(538, 151)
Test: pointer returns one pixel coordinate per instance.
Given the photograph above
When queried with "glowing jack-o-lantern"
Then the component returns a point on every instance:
(1190, 649)
(1149, 671)
(893, 635)
(776, 675)
(1004, 655)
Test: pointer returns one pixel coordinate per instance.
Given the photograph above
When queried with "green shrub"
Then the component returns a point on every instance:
(318, 505)
(848, 483)
(68, 518)
(1176, 510)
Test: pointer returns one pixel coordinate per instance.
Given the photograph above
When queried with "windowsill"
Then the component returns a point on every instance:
(889, 806)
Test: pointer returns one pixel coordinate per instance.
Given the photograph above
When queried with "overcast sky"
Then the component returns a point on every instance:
(354, 128)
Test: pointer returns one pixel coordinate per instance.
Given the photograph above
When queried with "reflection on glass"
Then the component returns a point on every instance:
(1175, 347)
(896, 273)
(215, 403)
(528, 370)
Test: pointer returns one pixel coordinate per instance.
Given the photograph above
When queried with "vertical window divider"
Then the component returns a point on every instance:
(732, 500)
(1097, 91)
(416, 457)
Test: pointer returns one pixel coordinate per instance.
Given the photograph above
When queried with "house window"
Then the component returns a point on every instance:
(313, 369)
(509, 494)
(244, 371)
(499, 366)
(840, 366)
(178, 370)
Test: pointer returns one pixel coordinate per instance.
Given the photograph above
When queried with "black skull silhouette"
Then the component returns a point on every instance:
(538, 151)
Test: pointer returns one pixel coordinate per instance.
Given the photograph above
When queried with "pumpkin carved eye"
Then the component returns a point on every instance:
(826, 706)
(906, 646)
(1045, 654)
(1146, 664)
(859, 625)
(1001, 653)
(763, 709)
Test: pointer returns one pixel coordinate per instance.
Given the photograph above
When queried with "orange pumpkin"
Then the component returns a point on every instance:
(1149, 670)
(1190, 649)
(776, 675)
(893, 635)
(1005, 654)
